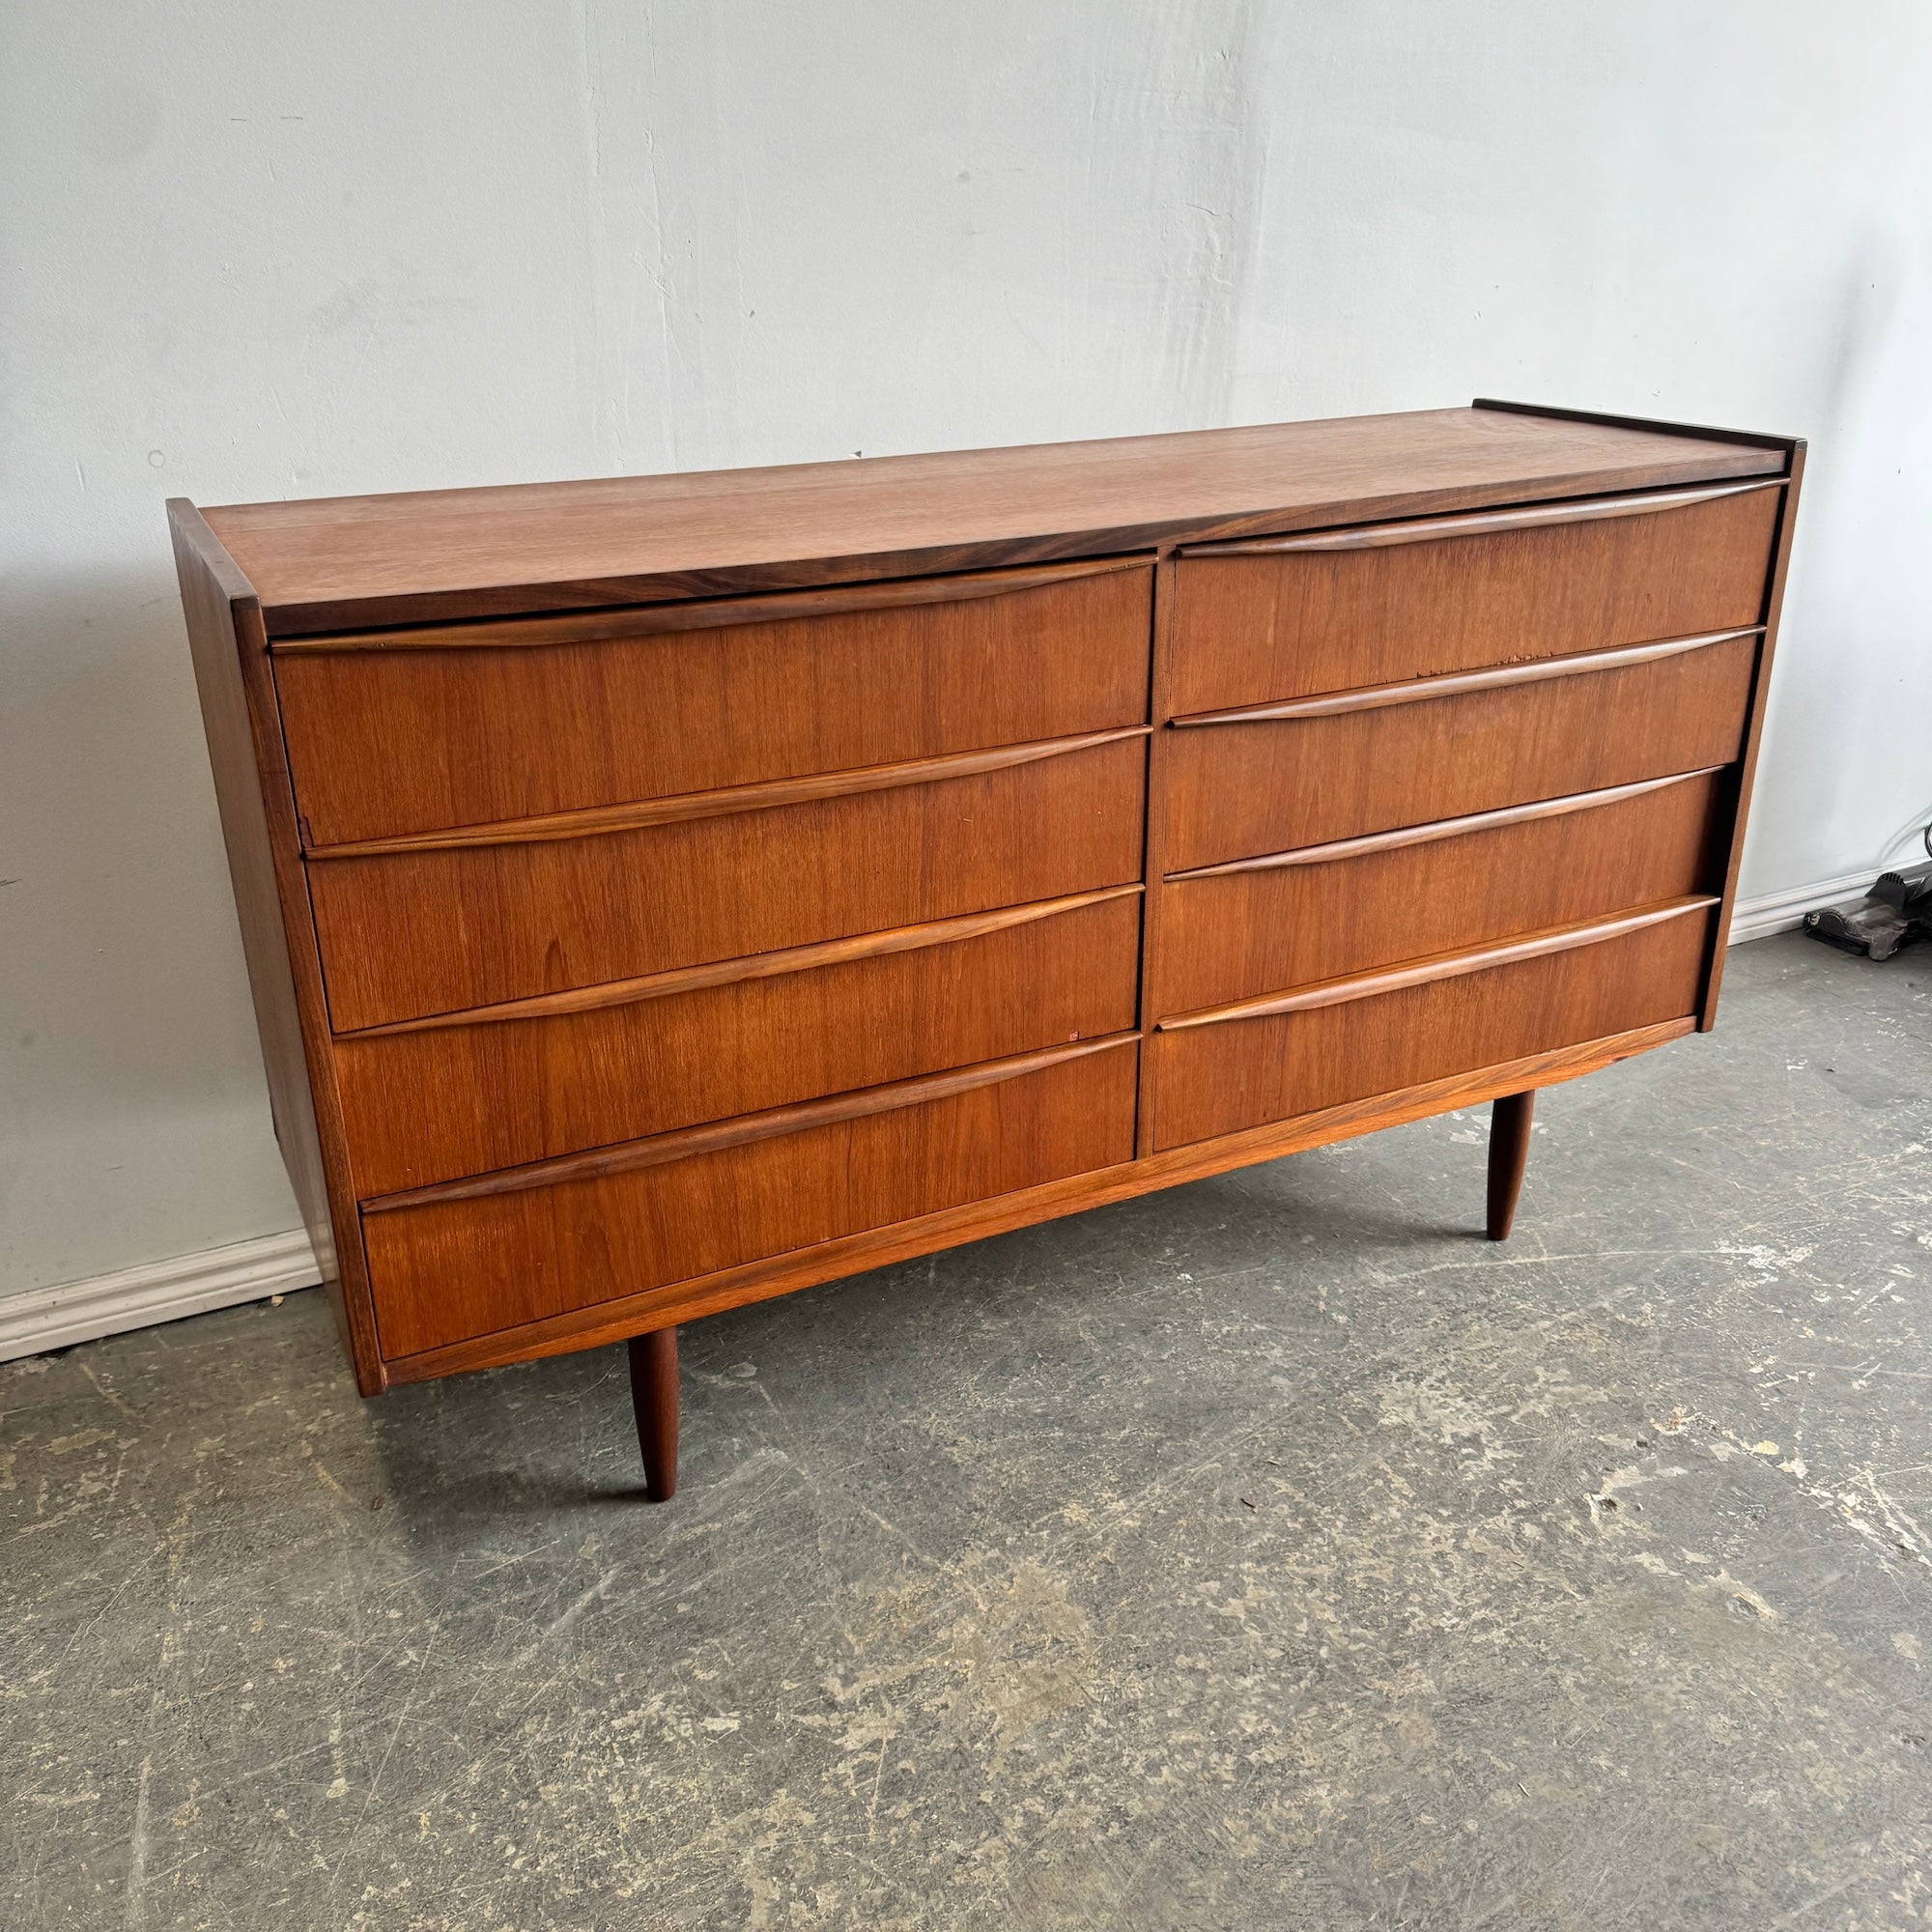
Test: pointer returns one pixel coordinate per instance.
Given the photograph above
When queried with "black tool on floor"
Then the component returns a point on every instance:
(1895, 912)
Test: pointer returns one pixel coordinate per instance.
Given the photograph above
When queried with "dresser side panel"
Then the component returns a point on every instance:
(257, 811)
(1774, 608)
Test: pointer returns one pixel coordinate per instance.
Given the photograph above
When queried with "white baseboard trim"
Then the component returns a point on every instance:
(1781, 912)
(136, 1297)
(83, 1310)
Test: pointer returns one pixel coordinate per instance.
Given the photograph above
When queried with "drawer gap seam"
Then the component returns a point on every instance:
(1455, 683)
(799, 1117)
(601, 821)
(1439, 828)
(821, 954)
(1440, 966)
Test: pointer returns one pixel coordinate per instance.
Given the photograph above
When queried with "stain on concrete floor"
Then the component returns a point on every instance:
(1273, 1552)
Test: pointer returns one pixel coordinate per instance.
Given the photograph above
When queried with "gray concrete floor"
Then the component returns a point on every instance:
(1274, 1552)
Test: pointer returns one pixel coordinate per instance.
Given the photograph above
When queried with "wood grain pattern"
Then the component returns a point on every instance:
(1773, 605)
(1260, 629)
(757, 966)
(595, 822)
(1217, 1080)
(465, 1269)
(1418, 971)
(799, 1117)
(1295, 918)
(418, 740)
(828, 1260)
(1240, 790)
(465, 1099)
(1486, 523)
(1441, 828)
(439, 932)
(251, 790)
(1458, 684)
(362, 561)
(650, 621)
(1793, 450)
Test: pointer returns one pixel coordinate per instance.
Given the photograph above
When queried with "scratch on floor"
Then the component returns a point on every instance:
(137, 1849)
(595, 1594)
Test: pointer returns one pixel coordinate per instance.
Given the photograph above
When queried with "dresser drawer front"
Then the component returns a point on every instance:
(390, 740)
(1230, 1075)
(1242, 790)
(435, 1103)
(439, 931)
(1234, 935)
(1255, 627)
(450, 1271)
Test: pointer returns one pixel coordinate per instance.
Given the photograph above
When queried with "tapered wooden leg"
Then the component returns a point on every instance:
(1509, 1151)
(654, 1400)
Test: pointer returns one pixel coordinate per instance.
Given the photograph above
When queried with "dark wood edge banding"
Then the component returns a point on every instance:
(1773, 605)
(686, 1300)
(1484, 522)
(597, 820)
(1441, 966)
(1654, 426)
(642, 620)
(1455, 683)
(755, 966)
(227, 575)
(1441, 828)
(684, 1141)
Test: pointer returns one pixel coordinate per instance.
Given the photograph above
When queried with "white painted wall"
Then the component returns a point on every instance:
(256, 251)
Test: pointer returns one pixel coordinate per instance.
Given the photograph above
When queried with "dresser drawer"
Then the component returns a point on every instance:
(393, 732)
(1220, 1076)
(447, 1269)
(529, 1082)
(1335, 768)
(1383, 603)
(1273, 924)
(419, 931)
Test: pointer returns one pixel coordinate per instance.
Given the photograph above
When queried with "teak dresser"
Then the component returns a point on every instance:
(667, 891)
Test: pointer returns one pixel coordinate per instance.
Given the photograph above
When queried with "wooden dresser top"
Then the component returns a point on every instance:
(350, 562)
